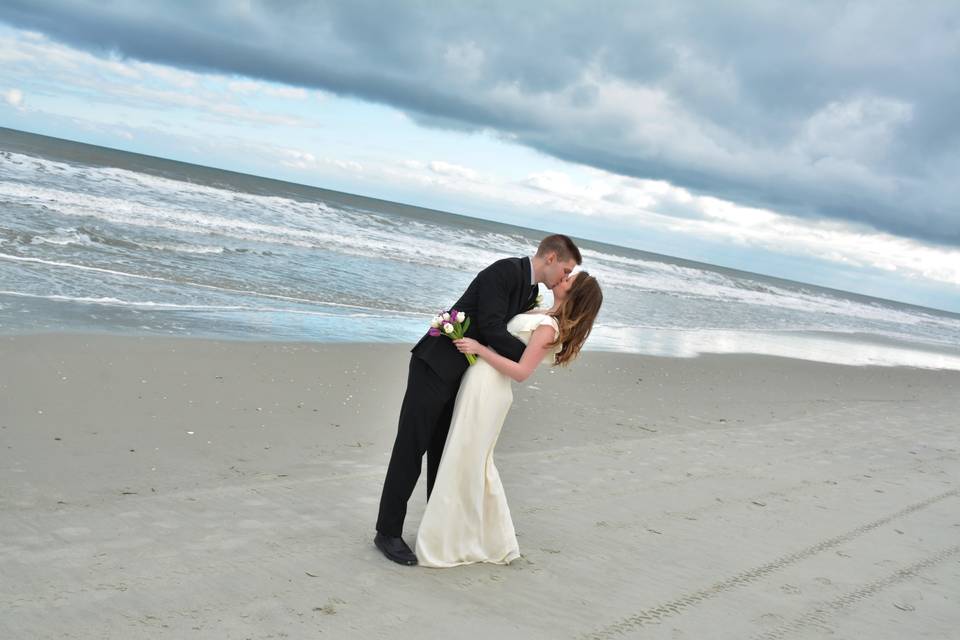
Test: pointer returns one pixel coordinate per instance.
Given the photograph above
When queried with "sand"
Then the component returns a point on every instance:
(180, 488)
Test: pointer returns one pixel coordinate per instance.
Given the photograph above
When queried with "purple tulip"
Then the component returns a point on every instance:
(434, 332)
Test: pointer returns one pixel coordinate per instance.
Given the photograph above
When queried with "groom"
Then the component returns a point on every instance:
(499, 292)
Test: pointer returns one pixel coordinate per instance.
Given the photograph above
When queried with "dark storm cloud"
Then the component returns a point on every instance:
(827, 109)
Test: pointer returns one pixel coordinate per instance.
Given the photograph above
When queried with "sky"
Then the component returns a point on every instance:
(813, 141)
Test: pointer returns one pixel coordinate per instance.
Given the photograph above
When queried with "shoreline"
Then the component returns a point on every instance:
(163, 487)
(862, 349)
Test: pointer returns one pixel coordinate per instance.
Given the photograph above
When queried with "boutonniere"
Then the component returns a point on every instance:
(537, 302)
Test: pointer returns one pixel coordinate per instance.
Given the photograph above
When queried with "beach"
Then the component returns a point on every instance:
(157, 487)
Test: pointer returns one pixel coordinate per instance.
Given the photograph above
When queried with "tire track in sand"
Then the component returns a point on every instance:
(677, 606)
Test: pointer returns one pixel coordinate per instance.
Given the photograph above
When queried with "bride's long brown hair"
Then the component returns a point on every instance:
(576, 315)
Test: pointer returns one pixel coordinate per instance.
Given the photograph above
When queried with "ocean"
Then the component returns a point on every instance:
(100, 240)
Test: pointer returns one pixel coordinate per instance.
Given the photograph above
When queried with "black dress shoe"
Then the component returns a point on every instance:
(395, 549)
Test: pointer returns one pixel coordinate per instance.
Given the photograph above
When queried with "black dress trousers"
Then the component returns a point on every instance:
(424, 422)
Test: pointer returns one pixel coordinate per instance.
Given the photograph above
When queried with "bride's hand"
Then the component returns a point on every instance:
(468, 345)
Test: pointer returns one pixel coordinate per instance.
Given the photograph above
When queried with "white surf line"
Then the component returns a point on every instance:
(6, 256)
(127, 303)
(171, 306)
(674, 607)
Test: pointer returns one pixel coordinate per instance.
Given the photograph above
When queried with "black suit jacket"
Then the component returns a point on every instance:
(495, 295)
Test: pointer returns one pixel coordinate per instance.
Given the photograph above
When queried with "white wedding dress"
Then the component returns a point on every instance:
(467, 519)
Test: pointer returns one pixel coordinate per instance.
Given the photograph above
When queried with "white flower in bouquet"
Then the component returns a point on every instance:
(454, 324)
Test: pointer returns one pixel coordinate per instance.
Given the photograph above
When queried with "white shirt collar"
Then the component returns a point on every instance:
(533, 276)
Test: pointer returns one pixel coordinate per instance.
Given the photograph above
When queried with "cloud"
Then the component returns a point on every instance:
(451, 170)
(14, 98)
(818, 110)
(861, 130)
(657, 205)
(142, 84)
(305, 160)
(297, 159)
(245, 87)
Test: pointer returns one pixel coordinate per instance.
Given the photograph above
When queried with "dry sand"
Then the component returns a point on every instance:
(177, 488)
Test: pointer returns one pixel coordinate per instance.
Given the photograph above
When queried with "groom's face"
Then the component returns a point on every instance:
(555, 270)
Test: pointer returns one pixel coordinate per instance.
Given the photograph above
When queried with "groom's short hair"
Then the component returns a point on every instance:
(562, 246)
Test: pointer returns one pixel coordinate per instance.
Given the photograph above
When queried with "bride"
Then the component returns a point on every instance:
(467, 519)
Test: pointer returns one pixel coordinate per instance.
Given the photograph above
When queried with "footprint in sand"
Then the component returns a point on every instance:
(330, 608)
(770, 619)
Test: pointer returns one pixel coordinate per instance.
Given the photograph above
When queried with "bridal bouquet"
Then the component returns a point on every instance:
(454, 325)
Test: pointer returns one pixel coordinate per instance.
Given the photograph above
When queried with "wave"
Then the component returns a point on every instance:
(200, 285)
(430, 245)
(679, 281)
(72, 237)
(138, 212)
(459, 250)
(88, 237)
(183, 247)
(171, 306)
